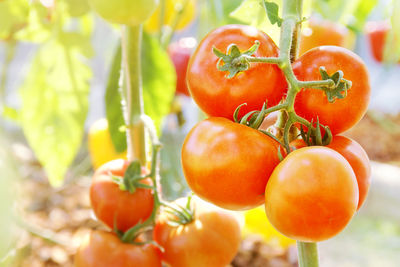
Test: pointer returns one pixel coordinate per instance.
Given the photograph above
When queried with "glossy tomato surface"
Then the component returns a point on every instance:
(104, 249)
(219, 96)
(312, 194)
(112, 205)
(344, 113)
(228, 164)
(356, 156)
(211, 239)
(129, 12)
(320, 32)
(180, 53)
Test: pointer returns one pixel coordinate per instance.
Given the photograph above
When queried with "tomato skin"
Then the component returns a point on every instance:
(180, 53)
(110, 204)
(228, 164)
(219, 96)
(104, 249)
(212, 239)
(356, 156)
(101, 148)
(312, 103)
(312, 194)
(323, 32)
(129, 12)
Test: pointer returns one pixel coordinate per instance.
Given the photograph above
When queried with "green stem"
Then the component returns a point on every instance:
(175, 23)
(132, 92)
(308, 254)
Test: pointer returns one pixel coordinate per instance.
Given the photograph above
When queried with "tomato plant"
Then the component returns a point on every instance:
(174, 12)
(104, 249)
(115, 207)
(228, 164)
(344, 113)
(218, 96)
(356, 156)
(126, 12)
(323, 32)
(101, 148)
(312, 194)
(212, 238)
(179, 53)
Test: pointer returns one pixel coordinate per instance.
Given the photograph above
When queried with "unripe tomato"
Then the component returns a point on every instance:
(211, 239)
(228, 164)
(320, 32)
(311, 104)
(101, 148)
(179, 53)
(129, 12)
(114, 206)
(219, 96)
(312, 194)
(104, 249)
(356, 156)
(172, 8)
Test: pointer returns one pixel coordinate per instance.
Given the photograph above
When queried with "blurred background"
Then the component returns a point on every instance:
(60, 119)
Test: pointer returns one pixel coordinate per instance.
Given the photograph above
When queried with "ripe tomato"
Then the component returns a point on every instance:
(320, 32)
(101, 148)
(104, 249)
(219, 96)
(376, 33)
(356, 156)
(171, 12)
(211, 239)
(228, 164)
(312, 103)
(312, 194)
(129, 12)
(112, 205)
(179, 53)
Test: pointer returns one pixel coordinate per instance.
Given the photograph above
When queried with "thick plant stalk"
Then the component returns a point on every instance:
(308, 254)
(132, 92)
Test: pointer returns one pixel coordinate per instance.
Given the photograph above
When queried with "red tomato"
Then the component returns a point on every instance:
(312, 194)
(228, 164)
(179, 53)
(322, 32)
(377, 32)
(112, 205)
(356, 156)
(104, 249)
(219, 96)
(211, 239)
(312, 103)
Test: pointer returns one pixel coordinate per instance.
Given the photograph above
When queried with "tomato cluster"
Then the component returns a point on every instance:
(312, 193)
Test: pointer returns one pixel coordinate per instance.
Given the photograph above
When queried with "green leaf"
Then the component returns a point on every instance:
(391, 53)
(113, 104)
(159, 80)
(54, 106)
(13, 15)
(356, 17)
(272, 12)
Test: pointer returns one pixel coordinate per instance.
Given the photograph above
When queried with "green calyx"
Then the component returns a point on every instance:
(181, 214)
(339, 86)
(132, 178)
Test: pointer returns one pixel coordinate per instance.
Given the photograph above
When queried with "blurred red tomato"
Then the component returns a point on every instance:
(376, 33)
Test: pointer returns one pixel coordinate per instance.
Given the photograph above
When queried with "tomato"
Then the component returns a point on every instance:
(376, 33)
(179, 53)
(171, 12)
(356, 156)
(344, 113)
(312, 194)
(104, 249)
(219, 96)
(228, 164)
(129, 12)
(211, 239)
(101, 148)
(112, 205)
(320, 32)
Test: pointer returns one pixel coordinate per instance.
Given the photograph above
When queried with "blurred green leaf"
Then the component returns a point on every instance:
(159, 83)
(13, 17)
(54, 106)
(391, 53)
(272, 10)
(113, 104)
(356, 17)
(77, 8)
